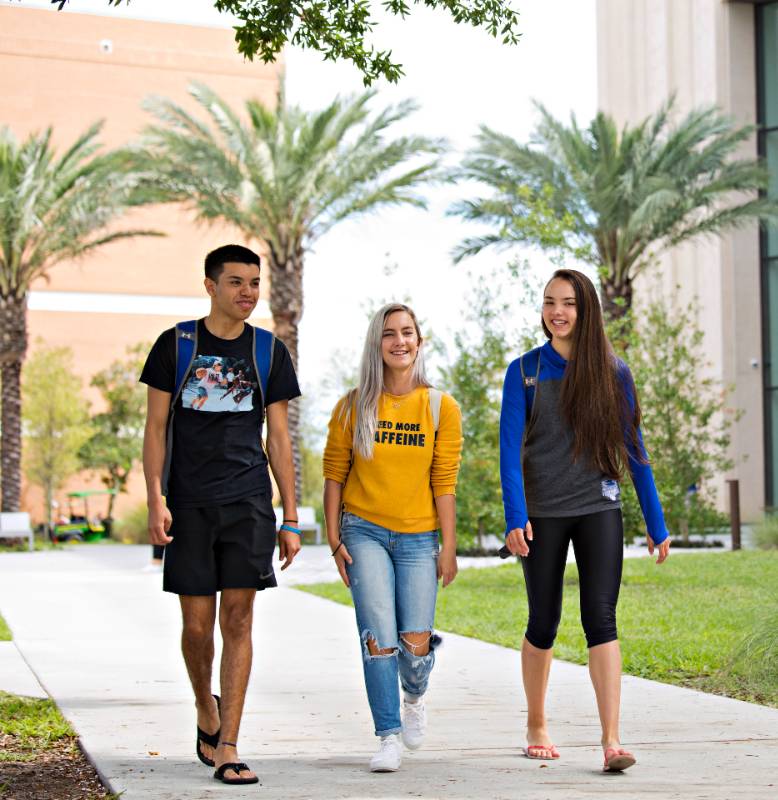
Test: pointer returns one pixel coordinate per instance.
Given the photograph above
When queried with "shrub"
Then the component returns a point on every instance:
(132, 526)
(491, 333)
(755, 660)
(686, 417)
(766, 533)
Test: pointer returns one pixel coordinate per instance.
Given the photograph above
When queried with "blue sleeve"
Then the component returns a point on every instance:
(642, 475)
(512, 420)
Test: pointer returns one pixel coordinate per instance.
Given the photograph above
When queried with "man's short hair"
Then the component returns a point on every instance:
(228, 254)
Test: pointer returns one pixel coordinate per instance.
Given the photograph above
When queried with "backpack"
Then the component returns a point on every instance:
(186, 349)
(435, 397)
(529, 380)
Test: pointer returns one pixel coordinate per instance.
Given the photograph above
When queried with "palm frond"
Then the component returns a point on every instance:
(56, 208)
(283, 174)
(622, 196)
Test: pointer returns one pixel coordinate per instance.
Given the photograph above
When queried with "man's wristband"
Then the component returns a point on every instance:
(291, 529)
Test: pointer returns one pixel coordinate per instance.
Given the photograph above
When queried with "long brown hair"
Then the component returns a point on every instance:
(594, 401)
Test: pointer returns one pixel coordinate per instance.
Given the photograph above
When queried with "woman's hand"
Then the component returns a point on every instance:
(447, 564)
(518, 540)
(663, 548)
(342, 558)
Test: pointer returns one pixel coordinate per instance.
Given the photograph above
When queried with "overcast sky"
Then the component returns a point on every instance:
(461, 77)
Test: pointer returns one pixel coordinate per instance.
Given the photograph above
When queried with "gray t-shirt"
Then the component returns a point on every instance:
(554, 483)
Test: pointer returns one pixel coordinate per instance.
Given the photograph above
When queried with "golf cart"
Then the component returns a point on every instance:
(82, 527)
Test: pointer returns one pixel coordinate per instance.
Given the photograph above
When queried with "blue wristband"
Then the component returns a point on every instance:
(291, 529)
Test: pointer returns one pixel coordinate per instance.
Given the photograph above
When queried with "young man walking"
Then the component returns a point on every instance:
(218, 525)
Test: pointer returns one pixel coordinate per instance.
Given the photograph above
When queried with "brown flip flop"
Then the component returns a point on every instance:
(617, 762)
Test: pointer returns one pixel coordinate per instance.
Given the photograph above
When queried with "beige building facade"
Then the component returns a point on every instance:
(711, 52)
(66, 70)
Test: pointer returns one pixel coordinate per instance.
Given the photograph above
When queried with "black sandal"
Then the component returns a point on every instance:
(237, 766)
(211, 739)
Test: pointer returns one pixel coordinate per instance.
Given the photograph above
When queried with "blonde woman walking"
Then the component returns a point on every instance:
(390, 469)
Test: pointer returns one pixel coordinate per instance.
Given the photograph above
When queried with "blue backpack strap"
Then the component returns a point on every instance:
(186, 346)
(530, 373)
(264, 345)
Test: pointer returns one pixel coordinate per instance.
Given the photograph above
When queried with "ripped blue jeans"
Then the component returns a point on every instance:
(394, 585)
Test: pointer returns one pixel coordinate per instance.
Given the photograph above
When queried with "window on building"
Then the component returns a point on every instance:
(767, 114)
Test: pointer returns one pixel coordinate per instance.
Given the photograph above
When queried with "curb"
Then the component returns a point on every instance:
(79, 741)
(100, 774)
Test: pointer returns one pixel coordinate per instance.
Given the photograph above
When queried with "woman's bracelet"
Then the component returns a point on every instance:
(290, 520)
(340, 544)
(291, 529)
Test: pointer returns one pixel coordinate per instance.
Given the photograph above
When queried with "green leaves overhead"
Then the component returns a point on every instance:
(339, 29)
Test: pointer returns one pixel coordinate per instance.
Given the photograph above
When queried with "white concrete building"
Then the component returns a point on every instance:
(705, 52)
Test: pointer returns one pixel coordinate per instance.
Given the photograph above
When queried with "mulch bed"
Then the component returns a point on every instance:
(47, 771)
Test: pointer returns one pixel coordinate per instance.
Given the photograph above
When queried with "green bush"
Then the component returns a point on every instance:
(132, 526)
(686, 418)
(475, 378)
(5, 631)
(766, 533)
(755, 661)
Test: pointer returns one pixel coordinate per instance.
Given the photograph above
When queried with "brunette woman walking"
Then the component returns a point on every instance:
(569, 430)
(390, 469)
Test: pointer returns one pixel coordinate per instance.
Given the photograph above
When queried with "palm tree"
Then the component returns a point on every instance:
(52, 209)
(285, 176)
(614, 200)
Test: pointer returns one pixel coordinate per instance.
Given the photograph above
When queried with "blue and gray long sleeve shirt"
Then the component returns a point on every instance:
(540, 477)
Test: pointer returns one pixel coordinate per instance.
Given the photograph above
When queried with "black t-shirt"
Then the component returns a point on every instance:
(217, 427)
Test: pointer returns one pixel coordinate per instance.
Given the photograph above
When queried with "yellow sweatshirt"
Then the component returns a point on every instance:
(410, 466)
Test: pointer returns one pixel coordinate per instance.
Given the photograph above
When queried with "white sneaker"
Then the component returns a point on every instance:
(389, 755)
(414, 723)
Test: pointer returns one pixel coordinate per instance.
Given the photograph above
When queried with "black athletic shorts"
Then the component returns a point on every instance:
(221, 547)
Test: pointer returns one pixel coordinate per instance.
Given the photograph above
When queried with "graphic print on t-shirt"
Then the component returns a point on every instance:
(219, 383)
(406, 434)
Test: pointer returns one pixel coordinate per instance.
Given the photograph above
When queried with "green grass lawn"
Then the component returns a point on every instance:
(685, 622)
(5, 631)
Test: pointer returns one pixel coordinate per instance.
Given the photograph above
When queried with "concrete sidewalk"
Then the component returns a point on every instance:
(103, 640)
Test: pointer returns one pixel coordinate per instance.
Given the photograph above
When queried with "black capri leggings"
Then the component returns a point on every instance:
(598, 543)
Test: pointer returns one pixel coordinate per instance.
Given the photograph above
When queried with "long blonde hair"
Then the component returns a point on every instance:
(371, 379)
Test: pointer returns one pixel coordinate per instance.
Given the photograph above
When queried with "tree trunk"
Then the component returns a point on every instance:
(286, 306)
(13, 346)
(480, 534)
(112, 497)
(616, 297)
(49, 492)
